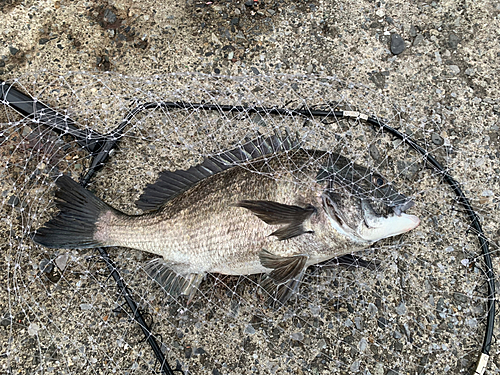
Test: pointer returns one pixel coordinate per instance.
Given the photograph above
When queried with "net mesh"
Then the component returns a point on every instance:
(419, 307)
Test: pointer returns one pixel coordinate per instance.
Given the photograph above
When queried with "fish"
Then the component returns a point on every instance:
(269, 206)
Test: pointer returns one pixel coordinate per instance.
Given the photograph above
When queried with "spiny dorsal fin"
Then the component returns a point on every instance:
(283, 281)
(170, 184)
(274, 213)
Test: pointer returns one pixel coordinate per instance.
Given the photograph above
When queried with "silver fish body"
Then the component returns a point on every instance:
(269, 206)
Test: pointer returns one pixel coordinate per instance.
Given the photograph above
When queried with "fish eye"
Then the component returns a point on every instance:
(378, 181)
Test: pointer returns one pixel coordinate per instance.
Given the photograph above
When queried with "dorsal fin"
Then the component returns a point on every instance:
(170, 184)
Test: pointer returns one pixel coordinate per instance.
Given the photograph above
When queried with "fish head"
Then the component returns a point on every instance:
(361, 204)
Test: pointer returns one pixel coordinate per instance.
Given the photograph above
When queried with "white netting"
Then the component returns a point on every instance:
(419, 308)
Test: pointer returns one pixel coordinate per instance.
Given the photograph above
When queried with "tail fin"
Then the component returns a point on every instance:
(75, 225)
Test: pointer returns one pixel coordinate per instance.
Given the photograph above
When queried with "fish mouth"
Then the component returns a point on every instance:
(376, 227)
(400, 208)
(370, 226)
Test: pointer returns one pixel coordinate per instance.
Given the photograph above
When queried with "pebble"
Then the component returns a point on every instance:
(13, 201)
(363, 344)
(397, 44)
(453, 40)
(297, 336)
(437, 139)
(469, 71)
(255, 70)
(109, 16)
(61, 261)
(454, 69)
(355, 366)
(249, 329)
(413, 31)
(374, 152)
(13, 51)
(46, 266)
(382, 322)
(418, 39)
(372, 310)
(460, 297)
(33, 329)
(401, 309)
(397, 335)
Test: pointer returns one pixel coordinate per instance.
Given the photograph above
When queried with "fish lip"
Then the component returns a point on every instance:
(402, 207)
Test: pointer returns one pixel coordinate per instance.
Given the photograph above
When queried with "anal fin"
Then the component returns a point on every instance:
(174, 283)
(284, 279)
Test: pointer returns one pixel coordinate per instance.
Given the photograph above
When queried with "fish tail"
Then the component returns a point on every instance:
(76, 224)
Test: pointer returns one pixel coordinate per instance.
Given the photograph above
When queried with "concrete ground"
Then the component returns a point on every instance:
(431, 68)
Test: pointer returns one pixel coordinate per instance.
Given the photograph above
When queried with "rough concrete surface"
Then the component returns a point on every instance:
(431, 68)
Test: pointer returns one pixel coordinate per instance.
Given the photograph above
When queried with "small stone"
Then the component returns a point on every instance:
(397, 44)
(413, 31)
(13, 201)
(61, 261)
(358, 322)
(372, 309)
(85, 306)
(454, 69)
(43, 40)
(382, 322)
(297, 336)
(255, 70)
(469, 71)
(33, 329)
(487, 193)
(440, 305)
(378, 79)
(354, 367)
(249, 3)
(374, 152)
(235, 21)
(472, 323)
(321, 344)
(109, 16)
(199, 351)
(397, 335)
(437, 139)
(453, 40)
(459, 297)
(249, 329)
(13, 51)
(418, 39)
(46, 266)
(401, 309)
(363, 344)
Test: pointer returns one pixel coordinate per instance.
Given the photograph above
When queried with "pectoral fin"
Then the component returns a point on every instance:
(283, 281)
(172, 279)
(274, 213)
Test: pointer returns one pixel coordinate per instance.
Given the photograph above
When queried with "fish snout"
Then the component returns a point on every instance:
(399, 208)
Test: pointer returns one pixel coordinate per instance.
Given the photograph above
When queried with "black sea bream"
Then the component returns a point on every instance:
(269, 206)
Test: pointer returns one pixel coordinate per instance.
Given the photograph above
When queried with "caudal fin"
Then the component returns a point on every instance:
(75, 225)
